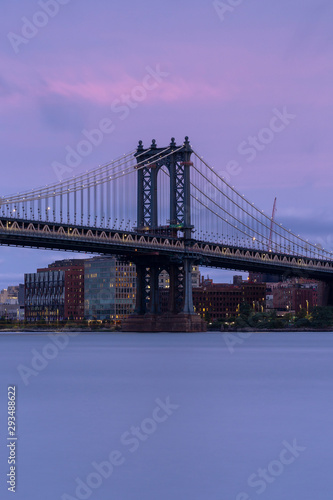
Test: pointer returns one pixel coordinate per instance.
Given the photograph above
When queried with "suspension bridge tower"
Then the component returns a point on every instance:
(181, 316)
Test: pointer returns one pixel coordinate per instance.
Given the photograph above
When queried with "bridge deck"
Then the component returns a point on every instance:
(132, 245)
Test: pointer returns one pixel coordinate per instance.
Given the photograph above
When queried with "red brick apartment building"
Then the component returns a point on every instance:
(56, 293)
(220, 300)
(74, 286)
(295, 295)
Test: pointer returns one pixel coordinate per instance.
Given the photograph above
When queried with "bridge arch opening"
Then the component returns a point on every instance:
(163, 197)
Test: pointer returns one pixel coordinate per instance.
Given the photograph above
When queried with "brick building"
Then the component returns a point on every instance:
(101, 288)
(56, 293)
(293, 295)
(44, 296)
(74, 286)
(219, 300)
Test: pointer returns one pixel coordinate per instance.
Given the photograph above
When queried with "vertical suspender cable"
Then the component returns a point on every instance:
(102, 205)
(68, 204)
(88, 200)
(95, 200)
(75, 193)
(81, 200)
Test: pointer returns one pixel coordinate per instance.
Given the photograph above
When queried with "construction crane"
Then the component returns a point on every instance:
(271, 230)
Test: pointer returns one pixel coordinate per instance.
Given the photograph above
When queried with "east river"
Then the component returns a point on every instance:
(168, 416)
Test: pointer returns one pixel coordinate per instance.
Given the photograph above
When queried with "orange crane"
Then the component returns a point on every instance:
(272, 222)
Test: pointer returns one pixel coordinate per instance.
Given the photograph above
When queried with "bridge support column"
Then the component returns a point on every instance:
(140, 307)
(154, 290)
(188, 294)
(180, 316)
(176, 277)
(326, 293)
(330, 294)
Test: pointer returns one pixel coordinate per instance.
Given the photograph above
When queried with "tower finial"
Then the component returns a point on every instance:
(187, 144)
(173, 142)
(153, 144)
(140, 146)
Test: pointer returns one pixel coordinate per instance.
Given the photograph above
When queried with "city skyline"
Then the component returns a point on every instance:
(243, 68)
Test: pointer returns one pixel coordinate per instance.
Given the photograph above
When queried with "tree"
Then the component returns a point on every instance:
(301, 313)
(322, 317)
(302, 323)
(245, 309)
(207, 317)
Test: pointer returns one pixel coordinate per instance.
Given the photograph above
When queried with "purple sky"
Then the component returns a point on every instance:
(222, 80)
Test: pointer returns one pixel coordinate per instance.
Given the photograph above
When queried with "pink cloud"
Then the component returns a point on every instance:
(231, 74)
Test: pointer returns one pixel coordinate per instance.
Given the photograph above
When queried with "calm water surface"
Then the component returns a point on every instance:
(228, 415)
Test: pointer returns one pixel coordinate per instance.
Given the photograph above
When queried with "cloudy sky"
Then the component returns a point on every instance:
(222, 73)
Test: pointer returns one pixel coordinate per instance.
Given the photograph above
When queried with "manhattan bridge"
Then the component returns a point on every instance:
(162, 209)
